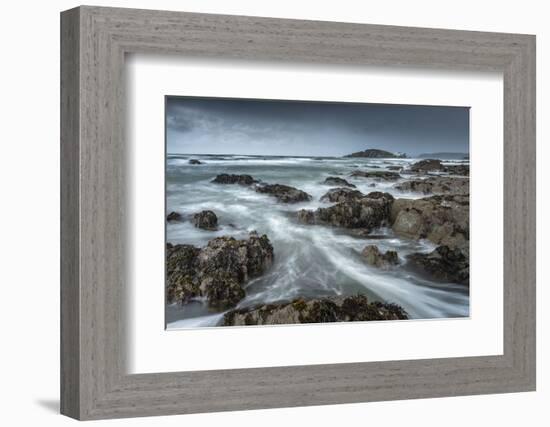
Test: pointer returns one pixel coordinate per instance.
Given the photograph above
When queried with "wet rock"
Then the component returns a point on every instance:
(284, 193)
(436, 185)
(336, 195)
(374, 257)
(442, 219)
(395, 168)
(444, 263)
(335, 309)
(379, 175)
(217, 271)
(306, 216)
(207, 220)
(195, 162)
(174, 217)
(427, 165)
(180, 273)
(241, 259)
(225, 178)
(369, 212)
(334, 180)
(221, 290)
(462, 170)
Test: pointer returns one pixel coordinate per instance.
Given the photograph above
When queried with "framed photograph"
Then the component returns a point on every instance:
(262, 213)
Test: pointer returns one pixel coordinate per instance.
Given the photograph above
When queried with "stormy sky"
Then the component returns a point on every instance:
(294, 128)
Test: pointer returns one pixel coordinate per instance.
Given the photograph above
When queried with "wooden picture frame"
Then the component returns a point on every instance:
(94, 41)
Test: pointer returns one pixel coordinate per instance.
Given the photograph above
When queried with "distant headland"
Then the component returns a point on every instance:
(374, 153)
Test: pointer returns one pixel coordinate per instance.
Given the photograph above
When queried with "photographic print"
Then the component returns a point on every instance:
(292, 212)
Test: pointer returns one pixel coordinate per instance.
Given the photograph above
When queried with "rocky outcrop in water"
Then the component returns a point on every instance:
(374, 153)
(427, 165)
(434, 165)
(334, 180)
(369, 212)
(225, 178)
(374, 257)
(217, 271)
(442, 219)
(322, 310)
(462, 170)
(284, 193)
(436, 185)
(379, 175)
(337, 195)
(174, 217)
(207, 220)
(444, 263)
(195, 162)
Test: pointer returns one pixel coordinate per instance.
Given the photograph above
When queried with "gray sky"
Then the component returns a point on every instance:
(239, 126)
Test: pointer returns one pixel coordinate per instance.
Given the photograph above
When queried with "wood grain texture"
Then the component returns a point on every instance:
(70, 292)
(94, 238)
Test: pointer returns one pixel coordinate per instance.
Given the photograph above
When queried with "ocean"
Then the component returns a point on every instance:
(310, 261)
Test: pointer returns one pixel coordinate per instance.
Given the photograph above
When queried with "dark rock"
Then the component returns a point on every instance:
(334, 180)
(436, 185)
(284, 193)
(335, 309)
(427, 165)
(444, 263)
(369, 212)
(395, 168)
(374, 257)
(174, 217)
(306, 216)
(217, 271)
(207, 220)
(462, 170)
(377, 154)
(337, 195)
(180, 273)
(442, 219)
(379, 175)
(234, 179)
(195, 162)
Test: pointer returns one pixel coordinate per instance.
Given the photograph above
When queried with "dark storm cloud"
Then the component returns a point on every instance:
(235, 126)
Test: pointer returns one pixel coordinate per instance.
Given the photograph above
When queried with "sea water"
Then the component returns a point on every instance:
(310, 261)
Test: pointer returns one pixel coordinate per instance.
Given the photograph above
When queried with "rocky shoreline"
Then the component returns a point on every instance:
(218, 274)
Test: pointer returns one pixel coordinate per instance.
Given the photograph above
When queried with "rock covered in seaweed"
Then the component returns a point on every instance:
(444, 263)
(217, 271)
(435, 185)
(442, 219)
(374, 257)
(207, 220)
(334, 180)
(427, 165)
(322, 310)
(435, 165)
(367, 212)
(225, 178)
(379, 175)
(336, 195)
(461, 169)
(284, 193)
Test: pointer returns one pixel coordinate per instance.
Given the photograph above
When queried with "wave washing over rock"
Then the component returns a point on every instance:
(266, 240)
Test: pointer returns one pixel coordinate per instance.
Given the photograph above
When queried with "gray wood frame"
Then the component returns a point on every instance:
(94, 41)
